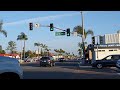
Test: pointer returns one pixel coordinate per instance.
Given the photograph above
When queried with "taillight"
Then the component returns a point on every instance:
(48, 60)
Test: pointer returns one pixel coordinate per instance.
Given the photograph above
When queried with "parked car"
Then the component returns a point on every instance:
(61, 59)
(10, 68)
(47, 61)
(108, 61)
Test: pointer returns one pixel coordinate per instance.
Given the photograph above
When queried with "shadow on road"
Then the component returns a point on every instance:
(65, 75)
(103, 70)
(56, 64)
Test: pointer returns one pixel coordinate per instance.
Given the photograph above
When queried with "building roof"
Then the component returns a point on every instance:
(9, 54)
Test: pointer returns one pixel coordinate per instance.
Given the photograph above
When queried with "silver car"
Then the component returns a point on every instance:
(10, 68)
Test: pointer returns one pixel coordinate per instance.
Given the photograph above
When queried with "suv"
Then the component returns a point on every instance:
(61, 59)
(108, 61)
(47, 61)
(10, 68)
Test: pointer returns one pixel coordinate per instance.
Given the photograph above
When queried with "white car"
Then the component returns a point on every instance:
(10, 68)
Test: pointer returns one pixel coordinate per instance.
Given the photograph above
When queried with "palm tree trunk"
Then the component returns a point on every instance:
(38, 51)
(21, 50)
(24, 49)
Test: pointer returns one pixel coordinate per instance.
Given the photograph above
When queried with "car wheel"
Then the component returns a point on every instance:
(9, 76)
(118, 66)
(99, 66)
(53, 64)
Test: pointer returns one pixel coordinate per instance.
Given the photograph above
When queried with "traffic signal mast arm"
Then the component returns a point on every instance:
(51, 24)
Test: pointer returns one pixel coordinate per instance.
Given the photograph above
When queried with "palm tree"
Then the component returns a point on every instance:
(23, 37)
(59, 51)
(47, 49)
(11, 46)
(38, 45)
(79, 30)
(44, 47)
(2, 31)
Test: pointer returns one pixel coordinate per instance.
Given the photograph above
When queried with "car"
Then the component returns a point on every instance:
(10, 68)
(118, 64)
(47, 61)
(108, 61)
(61, 59)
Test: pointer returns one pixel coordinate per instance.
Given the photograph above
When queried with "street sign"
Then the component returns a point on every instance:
(75, 33)
(37, 25)
(59, 33)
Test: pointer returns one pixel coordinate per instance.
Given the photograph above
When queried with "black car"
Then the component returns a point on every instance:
(61, 60)
(47, 61)
(108, 61)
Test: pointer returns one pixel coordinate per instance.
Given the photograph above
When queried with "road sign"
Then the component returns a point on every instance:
(59, 33)
(75, 33)
(37, 25)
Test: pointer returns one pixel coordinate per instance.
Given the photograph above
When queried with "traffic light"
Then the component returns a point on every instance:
(68, 32)
(101, 39)
(31, 26)
(51, 27)
(93, 40)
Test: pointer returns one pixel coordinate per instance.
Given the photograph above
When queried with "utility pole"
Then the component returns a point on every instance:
(1, 23)
(83, 37)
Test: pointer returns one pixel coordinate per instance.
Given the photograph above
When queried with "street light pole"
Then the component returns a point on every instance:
(83, 37)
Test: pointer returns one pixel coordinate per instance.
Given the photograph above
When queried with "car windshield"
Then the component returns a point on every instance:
(44, 58)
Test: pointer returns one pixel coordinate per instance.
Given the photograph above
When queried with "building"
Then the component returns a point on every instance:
(97, 52)
(11, 55)
(110, 38)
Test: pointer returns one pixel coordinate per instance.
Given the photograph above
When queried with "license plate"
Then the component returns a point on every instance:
(44, 61)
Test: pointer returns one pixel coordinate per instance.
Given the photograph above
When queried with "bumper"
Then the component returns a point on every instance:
(44, 63)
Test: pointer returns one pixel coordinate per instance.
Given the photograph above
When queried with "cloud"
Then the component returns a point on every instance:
(40, 19)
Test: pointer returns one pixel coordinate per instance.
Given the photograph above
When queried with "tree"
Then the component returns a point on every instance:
(2, 52)
(80, 50)
(23, 37)
(11, 46)
(38, 45)
(2, 31)
(79, 30)
(59, 51)
(47, 49)
(44, 47)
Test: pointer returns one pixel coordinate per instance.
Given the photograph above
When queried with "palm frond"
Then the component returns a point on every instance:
(4, 32)
(90, 32)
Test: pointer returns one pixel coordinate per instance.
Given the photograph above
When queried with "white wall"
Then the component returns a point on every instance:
(112, 38)
(102, 54)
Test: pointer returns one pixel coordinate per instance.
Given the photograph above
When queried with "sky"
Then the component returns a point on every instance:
(15, 22)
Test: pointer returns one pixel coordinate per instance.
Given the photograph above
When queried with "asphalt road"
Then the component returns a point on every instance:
(67, 70)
